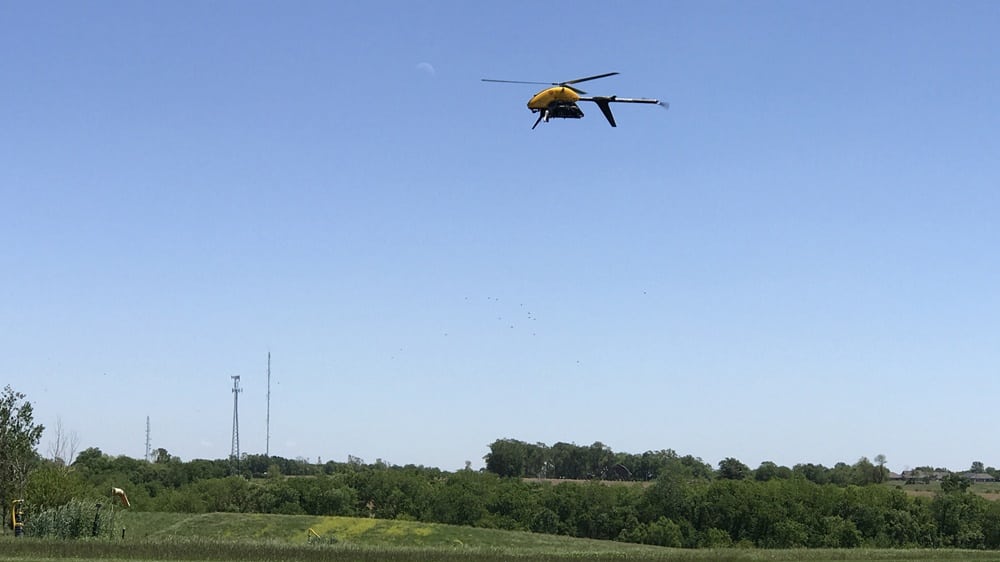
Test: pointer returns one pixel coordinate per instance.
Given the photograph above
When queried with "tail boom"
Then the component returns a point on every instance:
(604, 102)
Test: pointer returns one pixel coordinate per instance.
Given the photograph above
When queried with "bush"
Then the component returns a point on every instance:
(664, 532)
(73, 520)
(716, 538)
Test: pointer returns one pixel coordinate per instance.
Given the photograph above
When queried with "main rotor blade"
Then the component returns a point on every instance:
(566, 83)
(562, 84)
(578, 80)
(519, 82)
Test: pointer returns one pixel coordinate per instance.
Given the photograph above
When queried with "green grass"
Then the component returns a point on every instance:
(274, 538)
(347, 531)
(988, 490)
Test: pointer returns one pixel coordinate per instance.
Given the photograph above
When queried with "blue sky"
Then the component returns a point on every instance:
(797, 262)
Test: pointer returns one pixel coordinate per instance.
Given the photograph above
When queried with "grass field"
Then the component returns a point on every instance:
(990, 490)
(273, 538)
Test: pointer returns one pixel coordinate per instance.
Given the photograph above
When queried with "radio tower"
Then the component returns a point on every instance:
(267, 441)
(147, 438)
(234, 455)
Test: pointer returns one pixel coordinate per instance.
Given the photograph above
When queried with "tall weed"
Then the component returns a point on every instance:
(73, 520)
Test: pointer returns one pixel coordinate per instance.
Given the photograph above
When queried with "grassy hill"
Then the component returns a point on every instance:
(294, 529)
(249, 537)
(272, 538)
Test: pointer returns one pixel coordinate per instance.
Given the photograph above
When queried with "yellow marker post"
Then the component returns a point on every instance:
(17, 517)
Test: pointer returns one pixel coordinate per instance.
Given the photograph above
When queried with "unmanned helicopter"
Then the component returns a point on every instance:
(559, 101)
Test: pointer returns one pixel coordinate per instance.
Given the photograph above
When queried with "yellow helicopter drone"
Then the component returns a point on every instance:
(559, 101)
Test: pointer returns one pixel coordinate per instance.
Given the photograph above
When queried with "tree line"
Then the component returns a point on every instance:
(684, 506)
(513, 458)
(673, 500)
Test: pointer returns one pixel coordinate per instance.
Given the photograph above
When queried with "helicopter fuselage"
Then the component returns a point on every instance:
(558, 101)
(548, 96)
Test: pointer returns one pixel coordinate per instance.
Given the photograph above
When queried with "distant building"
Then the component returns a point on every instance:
(911, 476)
(978, 477)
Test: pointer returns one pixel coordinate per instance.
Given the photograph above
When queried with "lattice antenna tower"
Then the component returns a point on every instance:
(147, 439)
(267, 441)
(234, 454)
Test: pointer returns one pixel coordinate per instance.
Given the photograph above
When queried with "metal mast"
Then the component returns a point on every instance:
(234, 455)
(267, 441)
(147, 438)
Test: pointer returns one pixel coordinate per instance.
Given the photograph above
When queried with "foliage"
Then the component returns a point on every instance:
(955, 483)
(687, 505)
(770, 471)
(73, 520)
(271, 538)
(733, 469)
(18, 438)
(513, 458)
(52, 485)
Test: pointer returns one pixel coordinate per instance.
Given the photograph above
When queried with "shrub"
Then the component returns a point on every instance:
(73, 520)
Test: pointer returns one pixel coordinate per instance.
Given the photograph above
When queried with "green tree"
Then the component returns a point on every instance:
(841, 474)
(599, 458)
(671, 496)
(650, 464)
(838, 533)
(959, 519)
(52, 485)
(461, 500)
(955, 483)
(864, 472)
(507, 458)
(18, 438)
(569, 461)
(694, 467)
(991, 525)
(663, 532)
(768, 470)
(883, 472)
(161, 456)
(91, 460)
(392, 493)
(230, 494)
(539, 461)
(544, 520)
(512, 505)
(733, 469)
(815, 473)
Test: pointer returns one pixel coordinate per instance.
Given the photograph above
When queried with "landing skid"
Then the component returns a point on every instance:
(558, 111)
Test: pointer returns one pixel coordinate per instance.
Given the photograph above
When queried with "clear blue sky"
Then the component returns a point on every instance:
(797, 262)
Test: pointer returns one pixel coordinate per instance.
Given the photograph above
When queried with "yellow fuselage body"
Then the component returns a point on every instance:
(548, 96)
